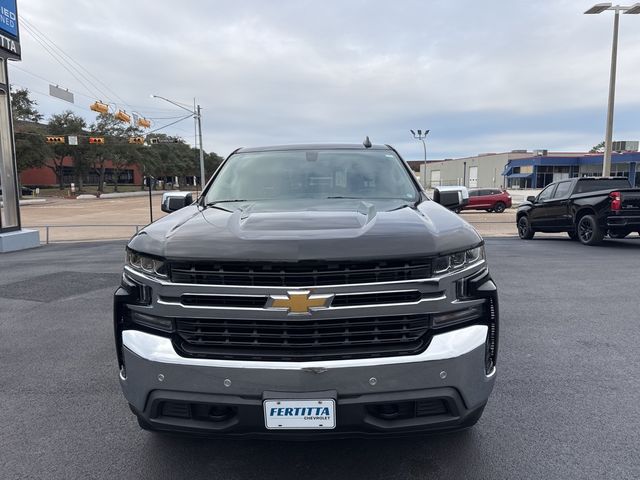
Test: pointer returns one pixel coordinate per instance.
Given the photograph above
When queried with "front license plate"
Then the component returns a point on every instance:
(300, 414)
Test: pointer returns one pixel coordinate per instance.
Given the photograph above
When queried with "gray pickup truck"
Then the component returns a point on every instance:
(311, 291)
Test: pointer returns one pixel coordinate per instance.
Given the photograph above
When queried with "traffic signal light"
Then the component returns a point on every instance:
(99, 107)
(123, 116)
(96, 140)
(144, 123)
(136, 140)
(55, 140)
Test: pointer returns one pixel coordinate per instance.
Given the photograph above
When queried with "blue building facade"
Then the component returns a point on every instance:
(540, 170)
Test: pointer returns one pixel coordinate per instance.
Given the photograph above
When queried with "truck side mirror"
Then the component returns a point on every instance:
(172, 201)
(451, 197)
(531, 199)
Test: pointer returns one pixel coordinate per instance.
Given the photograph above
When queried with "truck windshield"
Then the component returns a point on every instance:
(298, 174)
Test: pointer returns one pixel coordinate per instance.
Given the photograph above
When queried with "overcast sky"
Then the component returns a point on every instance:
(484, 76)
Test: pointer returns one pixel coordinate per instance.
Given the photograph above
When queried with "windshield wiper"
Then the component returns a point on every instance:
(215, 204)
(211, 204)
(371, 198)
(338, 196)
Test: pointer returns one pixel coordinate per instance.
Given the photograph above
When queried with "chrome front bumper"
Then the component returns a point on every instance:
(453, 365)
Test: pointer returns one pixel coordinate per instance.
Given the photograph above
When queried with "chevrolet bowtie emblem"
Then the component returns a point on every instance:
(300, 302)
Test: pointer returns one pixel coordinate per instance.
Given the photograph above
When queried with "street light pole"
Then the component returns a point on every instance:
(196, 112)
(421, 136)
(608, 141)
(202, 179)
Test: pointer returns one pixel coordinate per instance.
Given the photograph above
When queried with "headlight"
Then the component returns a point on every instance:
(458, 260)
(146, 264)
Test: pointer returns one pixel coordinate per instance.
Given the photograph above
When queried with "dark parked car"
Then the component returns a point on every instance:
(489, 199)
(23, 191)
(586, 208)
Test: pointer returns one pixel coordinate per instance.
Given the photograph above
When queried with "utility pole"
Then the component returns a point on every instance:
(196, 113)
(203, 180)
(421, 136)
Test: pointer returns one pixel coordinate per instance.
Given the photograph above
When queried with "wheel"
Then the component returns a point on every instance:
(618, 233)
(589, 232)
(572, 235)
(524, 228)
(499, 207)
(457, 210)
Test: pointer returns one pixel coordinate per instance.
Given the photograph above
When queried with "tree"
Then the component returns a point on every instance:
(31, 149)
(23, 107)
(66, 123)
(211, 163)
(599, 148)
(106, 125)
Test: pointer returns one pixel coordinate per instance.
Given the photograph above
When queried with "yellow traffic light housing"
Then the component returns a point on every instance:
(96, 140)
(55, 140)
(136, 140)
(99, 107)
(123, 116)
(144, 123)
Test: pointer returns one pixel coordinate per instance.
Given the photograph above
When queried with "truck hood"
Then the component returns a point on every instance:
(286, 231)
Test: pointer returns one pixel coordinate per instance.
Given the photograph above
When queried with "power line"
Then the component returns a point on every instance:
(39, 35)
(57, 59)
(90, 97)
(69, 64)
(49, 96)
(169, 124)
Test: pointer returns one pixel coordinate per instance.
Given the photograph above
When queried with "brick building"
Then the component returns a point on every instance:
(45, 176)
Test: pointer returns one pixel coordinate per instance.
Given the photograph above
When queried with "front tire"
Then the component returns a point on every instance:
(589, 232)
(499, 207)
(525, 232)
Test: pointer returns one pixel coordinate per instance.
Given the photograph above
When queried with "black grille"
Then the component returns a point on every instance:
(300, 274)
(376, 298)
(303, 339)
(246, 301)
(224, 301)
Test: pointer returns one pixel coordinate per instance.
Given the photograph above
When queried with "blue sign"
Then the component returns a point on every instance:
(9, 17)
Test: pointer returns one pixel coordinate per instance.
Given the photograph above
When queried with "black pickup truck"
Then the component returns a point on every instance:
(586, 208)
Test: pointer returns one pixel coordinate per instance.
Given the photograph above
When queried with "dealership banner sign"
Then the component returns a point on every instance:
(9, 31)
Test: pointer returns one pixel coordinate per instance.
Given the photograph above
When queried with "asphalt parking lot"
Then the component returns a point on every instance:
(565, 403)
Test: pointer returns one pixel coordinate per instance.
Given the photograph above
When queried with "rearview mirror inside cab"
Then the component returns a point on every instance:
(172, 201)
(451, 197)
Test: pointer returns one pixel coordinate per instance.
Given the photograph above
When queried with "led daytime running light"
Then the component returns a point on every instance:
(458, 260)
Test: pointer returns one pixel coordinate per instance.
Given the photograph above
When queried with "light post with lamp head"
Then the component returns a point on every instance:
(420, 135)
(599, 8)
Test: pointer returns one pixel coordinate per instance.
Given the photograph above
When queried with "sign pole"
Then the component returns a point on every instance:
(12, 236)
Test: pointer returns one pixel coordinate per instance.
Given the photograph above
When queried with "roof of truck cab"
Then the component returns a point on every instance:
(312, 146)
